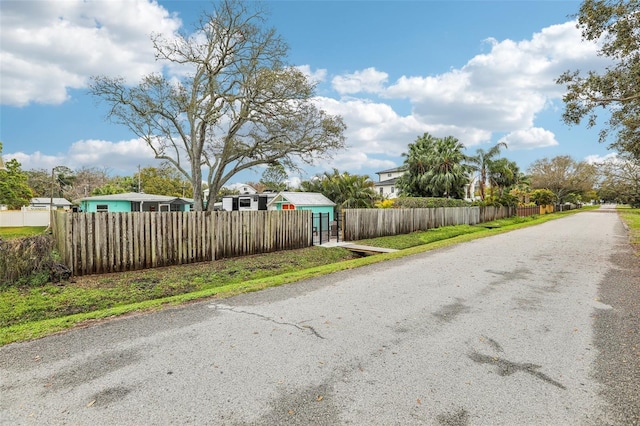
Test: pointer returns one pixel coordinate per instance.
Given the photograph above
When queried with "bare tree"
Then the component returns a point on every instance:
(621, 180)
(236, 104)
(86, 180)
(563, 176)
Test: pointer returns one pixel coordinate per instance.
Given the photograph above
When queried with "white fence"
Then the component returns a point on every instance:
(24, 217)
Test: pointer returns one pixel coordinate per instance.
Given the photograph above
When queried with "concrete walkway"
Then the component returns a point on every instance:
(358, 247)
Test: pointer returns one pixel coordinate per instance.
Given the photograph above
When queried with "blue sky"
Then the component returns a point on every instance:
(482, 71)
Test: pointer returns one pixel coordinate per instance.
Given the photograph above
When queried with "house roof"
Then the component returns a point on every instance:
(388, 182)
(49, 200)
(303, 199)
(139, 197)
(399, 169)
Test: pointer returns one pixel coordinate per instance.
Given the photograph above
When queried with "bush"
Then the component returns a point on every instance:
(384, 204)
(428, 202)
(30, 261)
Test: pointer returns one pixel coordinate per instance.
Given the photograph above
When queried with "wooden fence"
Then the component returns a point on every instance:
(94, 243)
(529, 210)
(360, 224)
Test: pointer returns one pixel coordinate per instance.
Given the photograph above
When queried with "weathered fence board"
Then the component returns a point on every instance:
(371, 223)
(93, 243)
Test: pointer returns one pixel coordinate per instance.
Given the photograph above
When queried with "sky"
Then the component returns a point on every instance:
(481, 71)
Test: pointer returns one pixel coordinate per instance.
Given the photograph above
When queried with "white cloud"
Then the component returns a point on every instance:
(37, 160)
(531, 138)
(50, 47)
(368, 80)
(501, 91)
(316, 76)
(597, 159)
(374, 127)
(119, 157)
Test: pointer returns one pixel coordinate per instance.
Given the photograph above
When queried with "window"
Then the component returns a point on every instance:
(244, 203)
(102, 208)
(381, 191)
(388, 174)
(393, 189)
(288, 207)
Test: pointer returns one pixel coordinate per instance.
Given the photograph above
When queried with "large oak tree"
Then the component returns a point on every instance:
(234, 104)
(616, 25)
(620, 180)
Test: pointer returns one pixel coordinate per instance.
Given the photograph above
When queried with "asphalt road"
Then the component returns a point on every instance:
(537, 326)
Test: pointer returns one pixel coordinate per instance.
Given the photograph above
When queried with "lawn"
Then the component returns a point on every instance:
(21, 231)
(631, 217)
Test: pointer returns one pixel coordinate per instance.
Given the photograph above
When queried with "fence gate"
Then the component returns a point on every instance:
(320, 228)
(324, 230)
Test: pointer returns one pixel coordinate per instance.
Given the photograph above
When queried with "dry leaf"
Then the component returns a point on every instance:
(320, 398)
(291, 412)
(418, 401)
(91, 403)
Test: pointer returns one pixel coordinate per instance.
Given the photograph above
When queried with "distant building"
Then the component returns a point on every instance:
(245, 189)
(44, 203)
(386, 185)
(313, 201)
(135, 202)
(246, 202)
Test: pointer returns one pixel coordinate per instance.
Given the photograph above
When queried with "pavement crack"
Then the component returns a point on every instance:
(303, 328)
(507, 368)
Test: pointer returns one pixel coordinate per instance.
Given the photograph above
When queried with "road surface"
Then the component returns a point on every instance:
(537, 326)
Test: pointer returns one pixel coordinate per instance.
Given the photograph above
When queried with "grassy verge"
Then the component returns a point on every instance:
(631, 217)
(21, 231)
(32, 312)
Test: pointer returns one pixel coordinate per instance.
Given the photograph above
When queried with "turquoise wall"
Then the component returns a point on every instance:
(314, 209)
(91, 206)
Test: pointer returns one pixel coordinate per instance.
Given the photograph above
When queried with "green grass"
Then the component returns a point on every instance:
(32, 312)
(401, 242)
(631, 218)
(21, 231)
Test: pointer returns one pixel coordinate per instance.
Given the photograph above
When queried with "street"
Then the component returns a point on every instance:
(537, 326)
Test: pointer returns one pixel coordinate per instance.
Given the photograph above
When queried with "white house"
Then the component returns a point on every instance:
(44, 203)
(242, 188)
(386, 185)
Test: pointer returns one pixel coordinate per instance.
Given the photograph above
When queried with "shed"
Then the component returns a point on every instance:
(47, 202)
(134, 202)
(313, 201)
(246, 202)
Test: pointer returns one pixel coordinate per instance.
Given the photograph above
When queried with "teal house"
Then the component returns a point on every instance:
(313, 201)
(134, 202)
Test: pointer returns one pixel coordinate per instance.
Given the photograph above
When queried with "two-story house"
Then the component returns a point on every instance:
(386, 185)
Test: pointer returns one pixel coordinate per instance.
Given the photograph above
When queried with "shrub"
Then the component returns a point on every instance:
(428, 202)
(543, 197)
(30, 261)
(384, 204)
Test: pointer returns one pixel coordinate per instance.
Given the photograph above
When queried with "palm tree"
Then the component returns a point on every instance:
(414, 182)
(503, 174)
(435, 168)
(482, 161)
(448, 173)
(344, 189)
